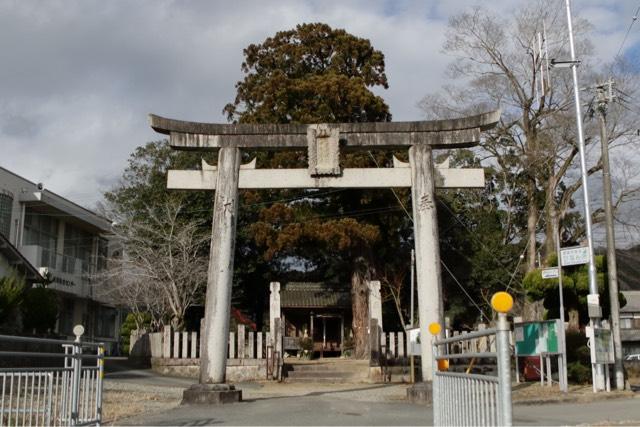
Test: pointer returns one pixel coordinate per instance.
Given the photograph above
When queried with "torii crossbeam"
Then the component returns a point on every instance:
(324, 143)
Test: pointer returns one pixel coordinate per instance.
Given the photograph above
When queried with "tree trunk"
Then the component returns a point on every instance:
(574, 319)
(360, 309)
(532, 222)
(532, 311)
(551, 222)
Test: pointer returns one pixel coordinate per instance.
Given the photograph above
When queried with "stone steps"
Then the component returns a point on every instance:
(343, 371)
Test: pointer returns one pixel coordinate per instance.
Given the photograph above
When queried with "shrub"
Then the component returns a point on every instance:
(132, 322)
(40, 310)
(11, 296)
(578, 373)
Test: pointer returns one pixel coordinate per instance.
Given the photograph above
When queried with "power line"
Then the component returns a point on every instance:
(634, 18)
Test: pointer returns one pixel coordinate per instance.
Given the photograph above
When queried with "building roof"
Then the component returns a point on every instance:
(19, 262)
(628, 263)
(32, 195)
(313, 295)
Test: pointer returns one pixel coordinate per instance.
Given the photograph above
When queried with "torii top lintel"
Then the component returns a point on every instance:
(453, 133)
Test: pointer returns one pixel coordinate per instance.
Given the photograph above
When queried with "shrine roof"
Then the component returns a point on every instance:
(313, 295)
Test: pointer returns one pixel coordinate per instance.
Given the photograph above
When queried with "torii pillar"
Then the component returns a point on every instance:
(425, 230)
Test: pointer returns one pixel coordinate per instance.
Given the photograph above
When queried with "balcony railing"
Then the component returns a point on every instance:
(56, 262)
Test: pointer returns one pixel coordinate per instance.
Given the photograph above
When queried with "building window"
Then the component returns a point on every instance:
(42, 230)
(6, 204)
(103, 254)
(65, 322)
(77, 249)
(626, 323)
(105, 321)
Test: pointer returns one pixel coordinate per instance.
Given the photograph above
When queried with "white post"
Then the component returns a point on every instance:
(425, 223)
(593, 283)
(241, 342)
(213, 360)
(166, 341)
(274, 306)
(185, 345)
(252, 353)
(194, 345)
(504, 369)
(375, 302)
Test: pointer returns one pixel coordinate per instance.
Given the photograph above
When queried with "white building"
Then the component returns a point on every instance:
(71, 242)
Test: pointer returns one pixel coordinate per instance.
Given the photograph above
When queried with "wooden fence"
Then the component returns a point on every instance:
(169, 344)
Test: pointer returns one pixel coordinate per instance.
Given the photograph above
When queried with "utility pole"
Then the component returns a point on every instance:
(593, 299)
(412, 321)
(605, 96)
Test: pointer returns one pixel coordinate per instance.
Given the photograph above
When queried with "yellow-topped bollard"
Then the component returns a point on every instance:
(434, 328)
(502, 302)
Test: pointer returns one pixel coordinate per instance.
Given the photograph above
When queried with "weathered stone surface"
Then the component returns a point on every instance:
(211, 394)
(274, 305)
(462, 132)
(483, 121)
(299, 178)
(375, 302)
(420, 393)
(237, 370)
(220, 273)
(428, 275)
(323, 147)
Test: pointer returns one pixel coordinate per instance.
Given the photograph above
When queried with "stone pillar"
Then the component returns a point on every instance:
(375, 302)
(213, 360)
(274, 306)
(425, 225)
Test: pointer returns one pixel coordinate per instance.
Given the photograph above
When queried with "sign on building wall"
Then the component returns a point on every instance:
(534, 338)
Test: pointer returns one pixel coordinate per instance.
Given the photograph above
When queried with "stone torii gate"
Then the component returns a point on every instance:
(324, 143)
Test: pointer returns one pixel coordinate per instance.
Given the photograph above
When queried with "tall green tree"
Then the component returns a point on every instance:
(317, 74)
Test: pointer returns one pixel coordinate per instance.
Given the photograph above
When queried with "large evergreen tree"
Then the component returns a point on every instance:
(316, 74)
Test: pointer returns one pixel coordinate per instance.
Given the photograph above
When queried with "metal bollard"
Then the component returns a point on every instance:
(502, 303)
(434, 329)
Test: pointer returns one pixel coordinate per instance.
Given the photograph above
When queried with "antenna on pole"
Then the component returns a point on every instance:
(541, 56)
(546, 54)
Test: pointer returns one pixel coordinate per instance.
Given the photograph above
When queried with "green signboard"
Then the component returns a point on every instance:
(535, 338)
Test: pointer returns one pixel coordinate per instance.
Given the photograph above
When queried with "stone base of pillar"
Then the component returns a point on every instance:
(211, 394)
(420, 393)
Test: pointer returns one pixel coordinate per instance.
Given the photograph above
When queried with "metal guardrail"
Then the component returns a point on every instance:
(70, 394)
(463, 398)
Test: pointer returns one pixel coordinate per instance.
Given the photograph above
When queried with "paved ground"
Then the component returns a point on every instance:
(271, 403)
(332, 409)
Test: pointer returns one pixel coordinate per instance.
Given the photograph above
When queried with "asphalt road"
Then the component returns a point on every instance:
(362, 405)
(330, 409)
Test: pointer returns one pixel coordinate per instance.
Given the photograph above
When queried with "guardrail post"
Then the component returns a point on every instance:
(434, 329)
(435, 396)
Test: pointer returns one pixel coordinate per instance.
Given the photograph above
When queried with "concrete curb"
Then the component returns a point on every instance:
(574, 399)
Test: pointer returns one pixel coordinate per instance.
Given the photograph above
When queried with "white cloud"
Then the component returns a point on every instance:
(79, 77)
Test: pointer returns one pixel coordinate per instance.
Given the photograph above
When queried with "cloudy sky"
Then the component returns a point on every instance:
(78, 78)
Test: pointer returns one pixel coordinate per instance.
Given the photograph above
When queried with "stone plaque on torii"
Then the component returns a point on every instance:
(324, 143)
